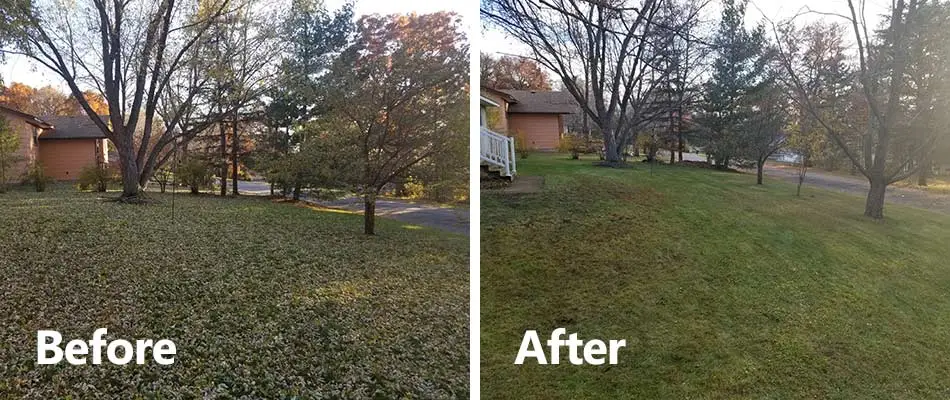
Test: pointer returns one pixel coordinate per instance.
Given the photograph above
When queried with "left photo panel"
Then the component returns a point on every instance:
(234, 199)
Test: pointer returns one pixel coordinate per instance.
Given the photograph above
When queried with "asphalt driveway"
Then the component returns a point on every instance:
(856, 185)
(451, 219)
(859, 187)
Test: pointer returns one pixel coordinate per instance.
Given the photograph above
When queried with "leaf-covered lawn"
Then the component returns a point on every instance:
(723, 289)
(263, 300)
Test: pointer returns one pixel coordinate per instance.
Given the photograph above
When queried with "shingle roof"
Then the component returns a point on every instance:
(541, 102)
(30, 119)
(504, 96)
(73, 127)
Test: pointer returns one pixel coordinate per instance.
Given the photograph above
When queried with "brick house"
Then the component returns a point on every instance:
(63, 145)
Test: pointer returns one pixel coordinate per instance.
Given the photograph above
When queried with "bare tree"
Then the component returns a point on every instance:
(686, 58)
(882, 77)
(607, 46)
(132, 56)
(245, 46)
(764, 131)
(828, 81)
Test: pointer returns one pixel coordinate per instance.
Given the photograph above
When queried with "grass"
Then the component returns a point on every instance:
(935, 184)
(723, 289)
(263, 300)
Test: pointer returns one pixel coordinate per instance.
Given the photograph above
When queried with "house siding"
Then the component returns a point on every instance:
(64, 159)
(26, 151)
(541, 131)
(498, 116)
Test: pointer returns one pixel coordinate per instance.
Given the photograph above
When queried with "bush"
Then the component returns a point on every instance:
(577, 145)
(571, 144)
(445, 192)
(98, 177)
(521, 144)
(163, 177)
(413, 188)
(37, 177)
(196, 174)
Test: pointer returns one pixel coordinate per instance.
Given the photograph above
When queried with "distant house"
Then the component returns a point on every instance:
(63, 145)
(536, 116)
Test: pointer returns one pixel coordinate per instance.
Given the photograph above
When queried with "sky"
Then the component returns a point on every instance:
(21, 69)
(492, 41)
(776, 10)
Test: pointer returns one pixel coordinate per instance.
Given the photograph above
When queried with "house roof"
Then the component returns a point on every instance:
(30, 119)
(485, 101)
(541, 102)
(504, 96)
(73, 127)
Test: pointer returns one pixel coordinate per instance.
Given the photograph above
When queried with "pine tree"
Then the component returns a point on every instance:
(739, 72)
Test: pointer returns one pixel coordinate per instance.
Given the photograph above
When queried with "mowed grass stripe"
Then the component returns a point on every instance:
(723, 289)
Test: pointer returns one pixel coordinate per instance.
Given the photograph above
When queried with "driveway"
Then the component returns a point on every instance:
(857, 186)
(452, 219)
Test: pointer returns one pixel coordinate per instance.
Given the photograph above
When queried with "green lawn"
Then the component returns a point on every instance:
(722, 289)
(263, 300)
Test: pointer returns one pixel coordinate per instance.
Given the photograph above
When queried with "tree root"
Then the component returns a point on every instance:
(139, 198)
(613, 164)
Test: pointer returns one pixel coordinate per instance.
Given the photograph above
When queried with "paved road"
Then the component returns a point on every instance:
(452, 219)
(857, 186)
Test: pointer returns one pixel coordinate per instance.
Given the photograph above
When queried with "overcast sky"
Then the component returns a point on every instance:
(21, 69)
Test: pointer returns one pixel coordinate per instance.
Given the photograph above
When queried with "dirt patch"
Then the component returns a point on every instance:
(613, 190)
(525, 185)
(705, 165)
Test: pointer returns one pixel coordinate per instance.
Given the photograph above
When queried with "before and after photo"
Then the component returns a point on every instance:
(492, 199)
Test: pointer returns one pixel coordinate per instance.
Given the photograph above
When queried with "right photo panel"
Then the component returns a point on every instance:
(715, 199)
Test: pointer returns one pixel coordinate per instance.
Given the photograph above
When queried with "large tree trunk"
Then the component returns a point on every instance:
(224, 159)
(925, 166)
(759, 166)
(611, 150)
(234, 155)
(679, 143)
(369, 214)
(874, 207)
(130, 172)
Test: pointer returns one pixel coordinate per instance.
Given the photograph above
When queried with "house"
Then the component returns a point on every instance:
(535, 116)
(507, 116)
(63, 145)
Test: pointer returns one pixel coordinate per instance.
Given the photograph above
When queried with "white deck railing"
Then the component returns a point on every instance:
(499, 150)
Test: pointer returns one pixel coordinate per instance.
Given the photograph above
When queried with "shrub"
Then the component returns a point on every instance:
(163, 177)
(571, 144)
(196, 174)
(37, 177)
(413, 188)
(98, 177)
(444, 192)
(521, 144)
(9, 143)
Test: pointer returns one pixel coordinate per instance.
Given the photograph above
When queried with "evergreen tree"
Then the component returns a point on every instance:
(739, 73)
